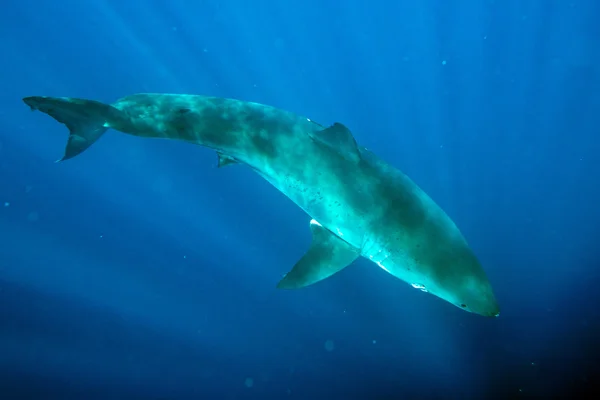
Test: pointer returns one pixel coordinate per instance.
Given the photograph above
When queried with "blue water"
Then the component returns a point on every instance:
(139, 270)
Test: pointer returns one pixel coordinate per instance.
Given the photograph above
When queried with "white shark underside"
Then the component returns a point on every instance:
(360, 205)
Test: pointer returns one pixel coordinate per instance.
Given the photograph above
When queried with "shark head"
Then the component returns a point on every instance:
(473, 294)
(459, 279)
(468, 293)
(451, 273)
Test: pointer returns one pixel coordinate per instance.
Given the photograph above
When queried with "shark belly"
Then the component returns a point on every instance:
(322, 196)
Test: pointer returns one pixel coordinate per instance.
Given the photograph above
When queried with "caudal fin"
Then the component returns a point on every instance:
(86, 119)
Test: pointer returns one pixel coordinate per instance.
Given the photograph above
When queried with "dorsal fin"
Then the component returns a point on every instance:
(340, 139)
(225, 160)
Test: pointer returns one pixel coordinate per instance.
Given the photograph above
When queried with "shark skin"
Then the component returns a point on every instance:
(359, 204)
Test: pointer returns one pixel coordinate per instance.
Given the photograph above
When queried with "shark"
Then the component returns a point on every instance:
(359, 205)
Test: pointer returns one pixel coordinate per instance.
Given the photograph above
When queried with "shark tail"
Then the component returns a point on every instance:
(87, 120)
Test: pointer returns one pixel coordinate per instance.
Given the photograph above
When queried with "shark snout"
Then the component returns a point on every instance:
(488, 310)
(483, 303)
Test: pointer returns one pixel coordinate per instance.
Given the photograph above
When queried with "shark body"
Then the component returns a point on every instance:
(359, 204)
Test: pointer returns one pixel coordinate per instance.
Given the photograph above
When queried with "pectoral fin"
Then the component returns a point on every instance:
(327, 255)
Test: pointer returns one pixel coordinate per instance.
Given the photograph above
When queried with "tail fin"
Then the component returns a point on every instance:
(86, 119)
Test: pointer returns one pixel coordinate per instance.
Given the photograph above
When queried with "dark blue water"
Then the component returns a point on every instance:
(139, 270)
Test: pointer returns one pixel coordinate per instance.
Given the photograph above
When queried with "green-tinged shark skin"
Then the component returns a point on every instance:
(359, 205)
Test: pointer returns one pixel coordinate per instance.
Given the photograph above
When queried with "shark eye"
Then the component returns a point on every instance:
(463, 305)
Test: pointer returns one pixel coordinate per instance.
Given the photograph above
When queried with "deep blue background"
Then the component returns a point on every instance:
(140, 270)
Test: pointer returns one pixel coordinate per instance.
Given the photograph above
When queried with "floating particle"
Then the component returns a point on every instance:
(33, 216)
(6, 204)
(329, 346)
(444, 62)
(249, 382)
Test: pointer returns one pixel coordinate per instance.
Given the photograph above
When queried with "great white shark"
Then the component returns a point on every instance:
(359, 205)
